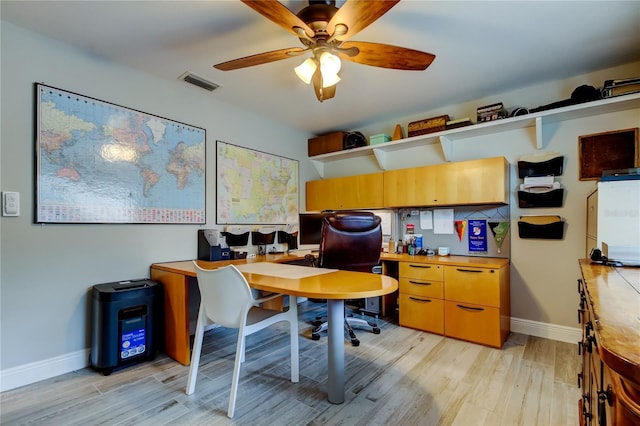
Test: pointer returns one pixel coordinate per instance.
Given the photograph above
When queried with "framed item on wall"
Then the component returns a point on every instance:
(97, 162)
(254, 187)
(607, 151)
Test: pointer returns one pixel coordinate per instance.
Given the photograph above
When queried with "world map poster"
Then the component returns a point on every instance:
(254, 187)
(98, 162)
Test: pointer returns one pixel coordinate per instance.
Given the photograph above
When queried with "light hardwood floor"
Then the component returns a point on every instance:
(400, 377)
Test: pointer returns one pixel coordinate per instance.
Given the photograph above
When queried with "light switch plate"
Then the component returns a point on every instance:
(10, 203)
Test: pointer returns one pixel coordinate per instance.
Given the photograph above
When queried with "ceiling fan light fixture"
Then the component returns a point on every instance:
(329, 80)
(329, 63)
(306, 70)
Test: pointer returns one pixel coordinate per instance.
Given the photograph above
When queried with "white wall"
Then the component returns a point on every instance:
(47, 270)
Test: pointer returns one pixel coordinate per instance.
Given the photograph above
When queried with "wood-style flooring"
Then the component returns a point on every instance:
(399, 377)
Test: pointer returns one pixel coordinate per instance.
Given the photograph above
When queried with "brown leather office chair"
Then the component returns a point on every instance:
(350, 240)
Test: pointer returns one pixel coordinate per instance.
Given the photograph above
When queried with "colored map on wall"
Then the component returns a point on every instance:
(254, 187)
(102, 163)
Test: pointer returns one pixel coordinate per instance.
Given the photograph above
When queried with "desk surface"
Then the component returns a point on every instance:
(332, 285)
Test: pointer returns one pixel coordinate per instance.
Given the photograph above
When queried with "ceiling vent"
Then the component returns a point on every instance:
(199, 81)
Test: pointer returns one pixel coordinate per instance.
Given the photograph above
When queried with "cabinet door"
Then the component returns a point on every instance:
(482, 181)
(351, 192)
(472, 285)
(414, 186)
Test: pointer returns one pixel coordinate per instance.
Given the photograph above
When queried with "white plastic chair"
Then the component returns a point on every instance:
(226, 300)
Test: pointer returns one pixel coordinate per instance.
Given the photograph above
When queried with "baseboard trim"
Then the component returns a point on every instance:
(36, 371)
(548, 331)
(40, 370)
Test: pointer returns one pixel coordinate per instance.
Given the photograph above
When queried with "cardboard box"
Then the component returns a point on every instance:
(331, 142)
(379, 138)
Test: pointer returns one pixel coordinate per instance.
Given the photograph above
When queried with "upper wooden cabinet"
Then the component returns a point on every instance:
(351, 192)
(484, 181)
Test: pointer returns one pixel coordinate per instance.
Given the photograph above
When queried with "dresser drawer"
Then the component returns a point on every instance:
(422, 271)
(474, 323)
(472, 285)
(422, 313)
(418, 287)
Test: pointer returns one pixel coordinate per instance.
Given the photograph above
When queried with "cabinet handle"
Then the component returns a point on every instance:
(469, 270)
(419, 283)
(419, 300)
(420, 266)
(580, 312)
(470, 308)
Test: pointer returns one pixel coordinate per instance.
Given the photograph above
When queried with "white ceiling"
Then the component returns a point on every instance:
(481, 48)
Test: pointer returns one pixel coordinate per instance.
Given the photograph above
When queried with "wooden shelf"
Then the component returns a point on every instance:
(447, 138)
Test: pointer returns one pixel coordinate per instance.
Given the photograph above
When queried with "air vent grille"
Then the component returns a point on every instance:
(199, 81)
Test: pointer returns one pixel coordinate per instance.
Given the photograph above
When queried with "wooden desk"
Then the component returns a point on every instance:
(335, 286)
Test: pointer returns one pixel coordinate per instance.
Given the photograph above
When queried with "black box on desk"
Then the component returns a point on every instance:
(209, 252)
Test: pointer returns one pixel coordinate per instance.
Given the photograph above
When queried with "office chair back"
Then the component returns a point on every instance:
(351, 240)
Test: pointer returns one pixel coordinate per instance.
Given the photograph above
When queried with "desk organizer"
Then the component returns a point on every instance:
(551, 198)
(236, 240)
(549, 167)
(541, 227)
(290, 239)
(258, 238)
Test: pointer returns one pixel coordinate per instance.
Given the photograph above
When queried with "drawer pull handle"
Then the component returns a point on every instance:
(420, 300)
(419, 283)
(470, 308)
(469, 270)
(420, 266)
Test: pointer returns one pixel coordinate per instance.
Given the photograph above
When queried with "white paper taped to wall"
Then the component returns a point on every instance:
(426, 219)
(443, 221)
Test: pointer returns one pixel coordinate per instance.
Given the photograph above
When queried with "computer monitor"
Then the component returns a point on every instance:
(310, 228)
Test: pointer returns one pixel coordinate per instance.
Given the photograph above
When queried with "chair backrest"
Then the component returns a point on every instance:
(350, 240)
(224, 294)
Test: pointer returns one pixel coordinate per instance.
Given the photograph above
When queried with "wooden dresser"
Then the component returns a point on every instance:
(609, 312)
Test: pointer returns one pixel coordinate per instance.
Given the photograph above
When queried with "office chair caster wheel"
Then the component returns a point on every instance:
(355, 342)
(315, 336)
(318, 322)
(376, 330)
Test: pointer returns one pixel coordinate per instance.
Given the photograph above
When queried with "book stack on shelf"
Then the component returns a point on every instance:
(491, 112)
(620, 87)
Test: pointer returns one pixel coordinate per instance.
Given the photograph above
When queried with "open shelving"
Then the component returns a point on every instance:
(447, 138)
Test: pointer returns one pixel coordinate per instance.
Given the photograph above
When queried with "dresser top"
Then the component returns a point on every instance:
(614, 294)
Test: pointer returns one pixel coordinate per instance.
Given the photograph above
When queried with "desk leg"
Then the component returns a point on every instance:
(175, 288)
(335, 330)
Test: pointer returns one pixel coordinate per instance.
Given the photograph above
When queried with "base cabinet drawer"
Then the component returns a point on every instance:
(422, 313)
(420, 287)
(474, 285)
(474, 323)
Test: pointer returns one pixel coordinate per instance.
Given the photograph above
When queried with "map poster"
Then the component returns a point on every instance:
(99, 162)
(254, 187)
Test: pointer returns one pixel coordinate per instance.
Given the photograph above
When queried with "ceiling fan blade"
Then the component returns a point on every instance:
(357, 15)
(278, 13)
(322, 93)
(387, 56)
(260, 58)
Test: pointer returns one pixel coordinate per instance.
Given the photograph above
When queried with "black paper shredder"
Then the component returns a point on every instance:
(124, 323)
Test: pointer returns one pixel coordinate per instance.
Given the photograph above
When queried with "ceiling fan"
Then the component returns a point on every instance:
(324, 30)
